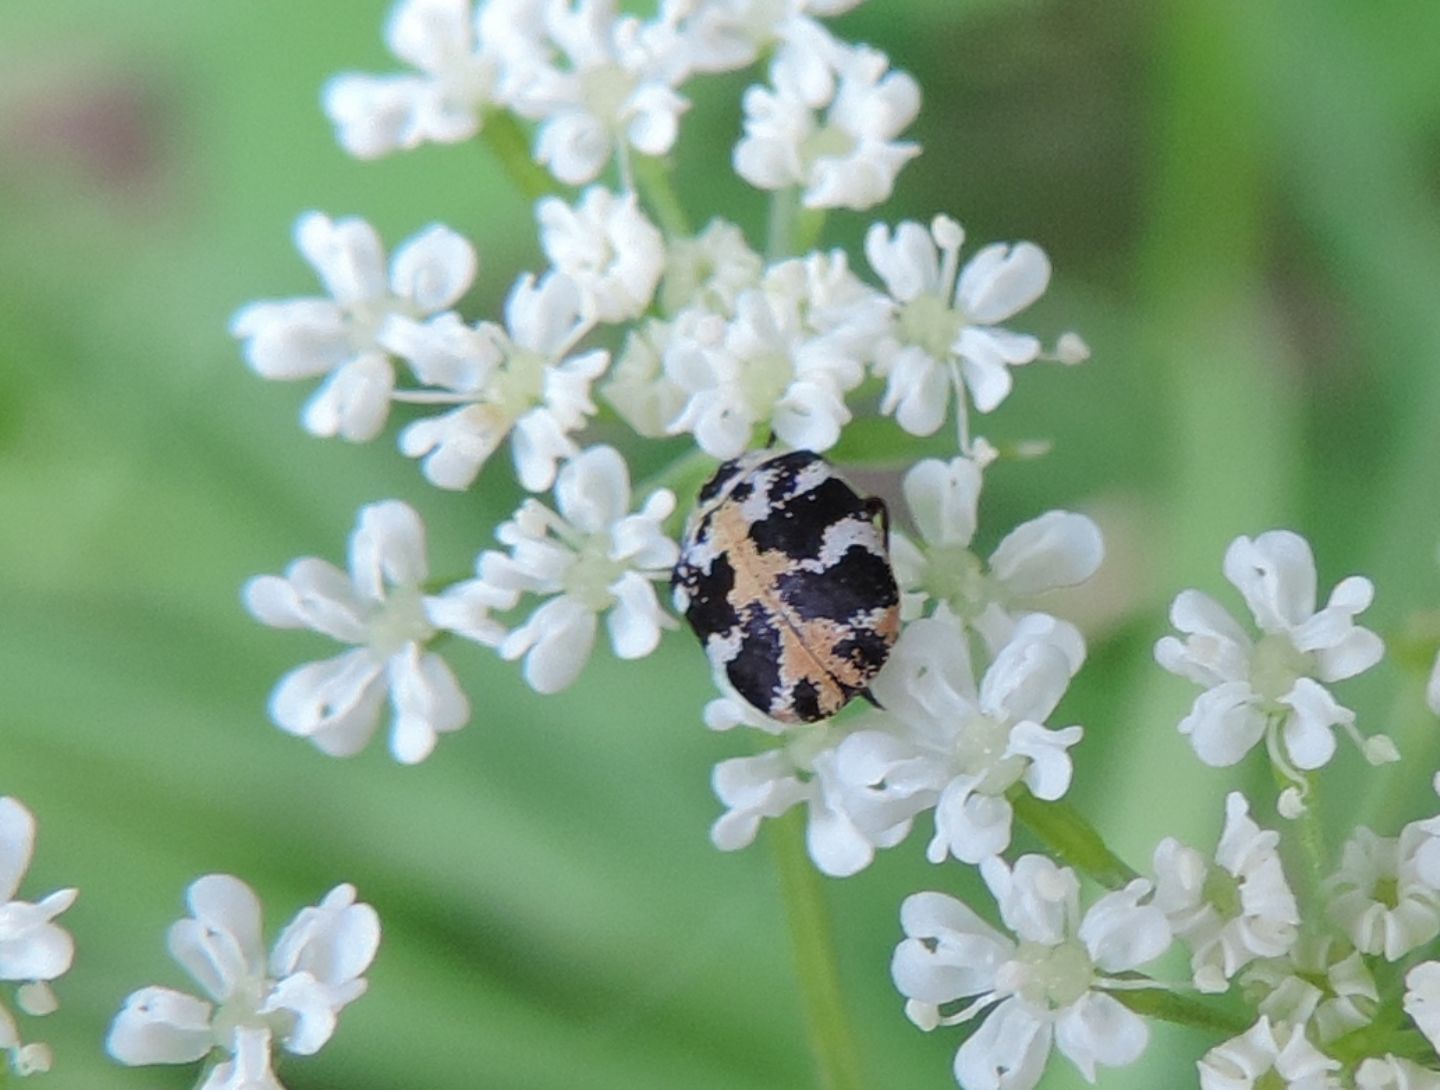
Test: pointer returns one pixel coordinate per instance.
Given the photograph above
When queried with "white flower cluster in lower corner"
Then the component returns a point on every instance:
(1050, 985)
(33, 948)
(1274, 687)
(944, 742)
(380, 608)
(291, 1000)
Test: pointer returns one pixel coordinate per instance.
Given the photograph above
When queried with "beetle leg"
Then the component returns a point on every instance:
(875, 509)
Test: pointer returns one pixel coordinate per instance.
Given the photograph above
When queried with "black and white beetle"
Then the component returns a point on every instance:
(784, 574)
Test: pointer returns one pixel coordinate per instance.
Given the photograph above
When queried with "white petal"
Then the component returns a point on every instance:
(1122, 934)
(634, 620)
(593, 489)
(1276, 575)
(427, 700)
(347, 255)
(943, 498)
(1000, 281)
(160, 1026)
(335, 703)
(1058, 549)
(1309, 739)
(387, 547)
(17, 842)
(1098, 1029)
(1007, 1052)
(906, 261)
(293, 339)
(556, 642)
(354, 402)
(1224, 724)
(434, 269)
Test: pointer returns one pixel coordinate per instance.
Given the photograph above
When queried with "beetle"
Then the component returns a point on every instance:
(785, 576)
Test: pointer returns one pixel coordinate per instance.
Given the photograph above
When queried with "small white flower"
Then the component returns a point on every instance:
(519, 380)
(33, 948)
(381, 608)
(946, 334)
(1378, 896)
(616, 91)
(1058, 549)
(1049, 987)
(460, 58)
(607, 246)
(710, 270)
(341, 336)
(794, 347)
(944, 742)
(1233, 911)
(1394, 1073)
(1271, 688)
(314, 970)
(591, 557)
(802, 770)
(835, 135)
(1242, 1063)
(637, 385)
(1322, 982)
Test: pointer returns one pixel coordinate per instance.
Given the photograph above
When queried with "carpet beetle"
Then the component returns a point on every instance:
(784, 574)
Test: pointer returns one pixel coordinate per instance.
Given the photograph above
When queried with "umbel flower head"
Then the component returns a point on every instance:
(1273, 687)
(1047, 986)
(381, 608)
(33, 948)
(343, 336)
(292, 999)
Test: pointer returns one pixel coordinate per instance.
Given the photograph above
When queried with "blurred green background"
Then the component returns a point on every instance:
(1240, 201)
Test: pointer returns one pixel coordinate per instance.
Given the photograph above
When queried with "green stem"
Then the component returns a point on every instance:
(652, 176)
(1066, 832)
(503, 135)
(827, 1023)
(784, 203)
(809, 222)
(1182, 1010)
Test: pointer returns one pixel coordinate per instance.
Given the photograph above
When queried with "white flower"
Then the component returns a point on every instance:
(1394, 1073)
(461, 61)
(1050, 986)
(1322, 982)
(1378, 896)
(607, 246)
(592, 557)
(1242, 1063)
(517, 380)
(829, 123)
(802, 770)
(637, 385)
(617, 90)
(1058, 549)
(33, 948)
(1271, 688)
(1234, 911)
(946, 334)
(944, 742)
(710, 270)
(313, 972)
(723, 35)
(786, 359)
(381, 608)
(340, 336)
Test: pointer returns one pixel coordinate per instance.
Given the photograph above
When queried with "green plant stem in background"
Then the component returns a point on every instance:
(1066, 832)
(503, 135)
(784, 203)
(652, 176)
(827, 1022)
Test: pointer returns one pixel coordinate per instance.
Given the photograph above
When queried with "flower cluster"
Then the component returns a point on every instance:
(292, 999)
(34, 950)
(692, 338)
